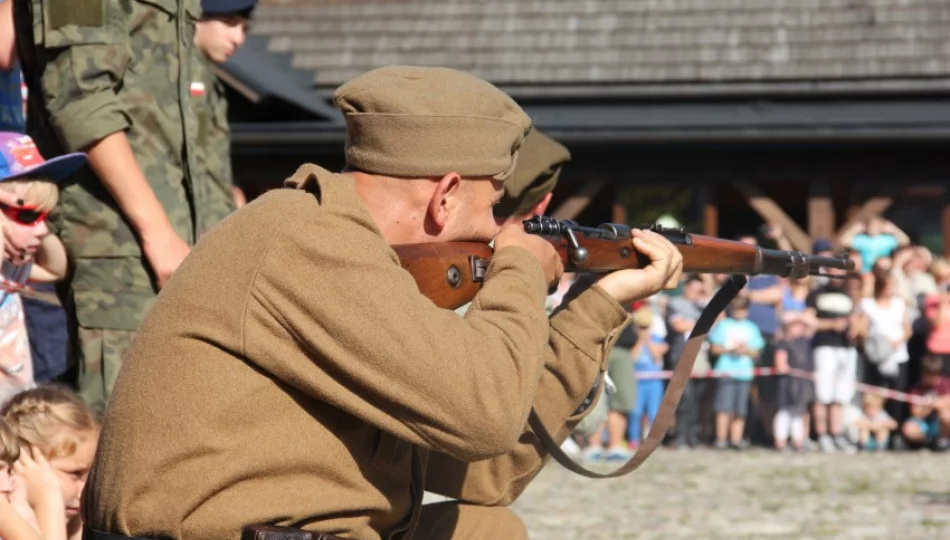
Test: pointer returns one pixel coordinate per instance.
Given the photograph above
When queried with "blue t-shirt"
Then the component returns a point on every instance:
(11, 101)
(790, 304)
(646, 361)
(765, 316)
(730, 333)
(873, 248)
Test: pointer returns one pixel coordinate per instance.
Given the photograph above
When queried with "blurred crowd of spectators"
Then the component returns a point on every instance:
(826, 336)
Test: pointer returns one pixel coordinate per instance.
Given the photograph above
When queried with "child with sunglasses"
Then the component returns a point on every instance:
(28, 191)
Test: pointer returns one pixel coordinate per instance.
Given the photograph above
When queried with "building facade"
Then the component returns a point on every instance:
(727, 114)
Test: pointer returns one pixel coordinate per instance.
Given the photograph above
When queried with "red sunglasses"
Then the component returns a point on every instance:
(24, 215)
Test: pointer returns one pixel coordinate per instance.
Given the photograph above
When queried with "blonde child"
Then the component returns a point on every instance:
(28, 191)
(874, 425)
(12, 525)
(61, 430)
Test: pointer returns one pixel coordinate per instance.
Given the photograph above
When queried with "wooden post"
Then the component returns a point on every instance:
(821, 210)
(710, 210)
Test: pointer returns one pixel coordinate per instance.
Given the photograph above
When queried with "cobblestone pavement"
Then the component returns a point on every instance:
(707, 494)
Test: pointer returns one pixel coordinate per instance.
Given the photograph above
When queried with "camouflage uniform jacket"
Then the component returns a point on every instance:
(96, 67)
(213, 175)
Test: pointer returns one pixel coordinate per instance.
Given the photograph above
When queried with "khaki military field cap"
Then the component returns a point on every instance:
(427, 121)
(539, 165)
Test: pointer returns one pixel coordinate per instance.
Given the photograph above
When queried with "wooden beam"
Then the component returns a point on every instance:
(240, 87)
(773, 215)
(874, 206)
(821, 210)
(710, 210)
(576, 203)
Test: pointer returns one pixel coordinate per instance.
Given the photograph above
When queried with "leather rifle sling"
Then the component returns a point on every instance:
(671, 397)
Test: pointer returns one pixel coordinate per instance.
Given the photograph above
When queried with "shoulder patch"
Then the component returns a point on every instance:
(75, 12)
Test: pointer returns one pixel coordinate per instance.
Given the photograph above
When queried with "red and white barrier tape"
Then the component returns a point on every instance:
(13, 287)
(800, 373)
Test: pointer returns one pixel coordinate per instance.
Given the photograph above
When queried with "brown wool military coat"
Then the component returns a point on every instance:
(291, 373)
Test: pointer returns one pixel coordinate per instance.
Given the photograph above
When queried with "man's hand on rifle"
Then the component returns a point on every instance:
(664, 271)
(543, 250)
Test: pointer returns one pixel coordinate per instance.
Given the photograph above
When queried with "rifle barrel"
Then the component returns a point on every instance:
(598, 249)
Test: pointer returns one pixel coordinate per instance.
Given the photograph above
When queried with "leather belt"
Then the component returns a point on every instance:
(252, 532)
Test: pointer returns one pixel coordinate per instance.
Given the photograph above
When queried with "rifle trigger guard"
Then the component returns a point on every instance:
(479, 267)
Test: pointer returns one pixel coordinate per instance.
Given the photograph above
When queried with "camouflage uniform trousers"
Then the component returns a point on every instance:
(106, 301)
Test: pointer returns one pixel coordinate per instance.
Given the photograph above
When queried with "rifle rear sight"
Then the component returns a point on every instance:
(548, 226)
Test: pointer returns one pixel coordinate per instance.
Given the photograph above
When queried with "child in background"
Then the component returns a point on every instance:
(647, 355)
(738, 342)
(875, 425)
(60, 428)
(30, 253)
(12, 525)
(929, 424)
(793, 351)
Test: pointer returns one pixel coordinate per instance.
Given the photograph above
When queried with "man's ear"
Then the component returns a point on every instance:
(542, 206)
(445, 198)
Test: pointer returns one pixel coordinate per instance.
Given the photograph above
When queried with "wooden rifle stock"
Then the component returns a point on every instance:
(451, 273)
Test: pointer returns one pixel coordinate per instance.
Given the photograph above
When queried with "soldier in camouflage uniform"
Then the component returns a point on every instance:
(113, 79)
(218, 35)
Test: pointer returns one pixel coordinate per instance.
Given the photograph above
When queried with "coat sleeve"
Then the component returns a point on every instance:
(85, 50)
(582, 334)
(333, 314)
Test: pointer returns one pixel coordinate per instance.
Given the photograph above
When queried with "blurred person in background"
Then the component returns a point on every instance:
(940, 270)
(885, 315)
(738, 343)
(647, 355)
(794, 394)
(937, 316)
(874, 238)
(874, 425)
(218, 34)
(11, 100)
(620, 403)
(794, 294)
(912, 280)
(835, 357)
(766, 295)
(45, 321)
(822, 247)
(929, 424)
(682, 313)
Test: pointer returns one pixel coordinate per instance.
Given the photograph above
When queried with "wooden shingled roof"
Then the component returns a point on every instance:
(603, 42)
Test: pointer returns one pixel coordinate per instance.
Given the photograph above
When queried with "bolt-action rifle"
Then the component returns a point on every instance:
(451, 273)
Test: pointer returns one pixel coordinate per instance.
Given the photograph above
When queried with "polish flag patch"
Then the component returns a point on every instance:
(197, 89)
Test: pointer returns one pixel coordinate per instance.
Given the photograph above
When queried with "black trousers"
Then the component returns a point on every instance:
(687, 413)
(899, 411)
